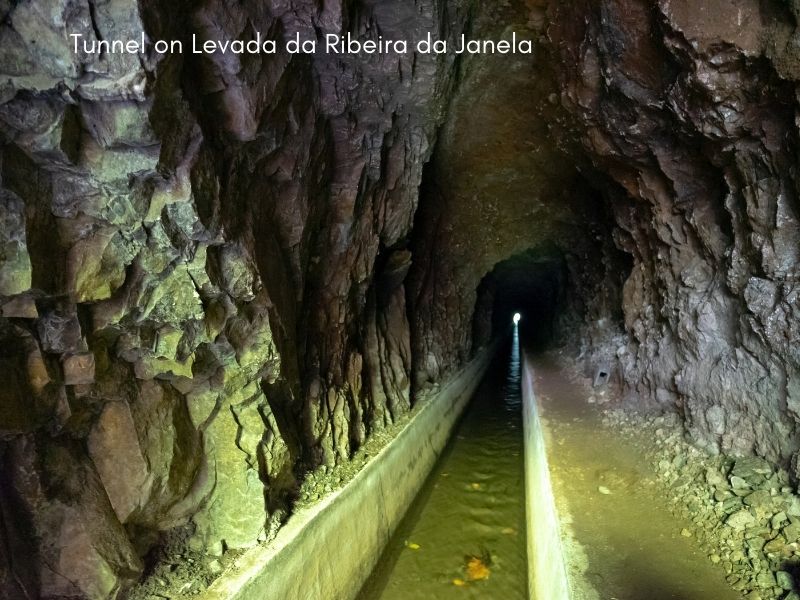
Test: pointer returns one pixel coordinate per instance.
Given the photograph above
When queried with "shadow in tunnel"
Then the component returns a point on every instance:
(533, 284)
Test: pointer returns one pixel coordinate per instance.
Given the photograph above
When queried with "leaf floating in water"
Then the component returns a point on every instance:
(476, 569)
(459, 582)
(508, 531)
(412, 546)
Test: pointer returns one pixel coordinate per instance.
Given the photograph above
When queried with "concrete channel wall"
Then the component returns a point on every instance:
(547, 571)
(326, 552)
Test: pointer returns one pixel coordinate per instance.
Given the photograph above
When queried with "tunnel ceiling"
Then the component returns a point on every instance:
(219, 274)
(501, 180)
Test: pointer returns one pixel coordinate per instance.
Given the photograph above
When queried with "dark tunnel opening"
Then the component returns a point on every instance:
(533, 284)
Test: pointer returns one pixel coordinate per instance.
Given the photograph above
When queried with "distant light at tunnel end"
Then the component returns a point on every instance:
(517, 317)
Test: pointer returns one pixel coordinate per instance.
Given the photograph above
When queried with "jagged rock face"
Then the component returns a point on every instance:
(202, 265)
(690, 107)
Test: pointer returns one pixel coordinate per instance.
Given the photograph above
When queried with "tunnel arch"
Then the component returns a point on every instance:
(532, 283)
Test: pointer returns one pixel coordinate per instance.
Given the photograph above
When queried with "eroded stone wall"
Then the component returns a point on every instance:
(690, 107)
(201, 272)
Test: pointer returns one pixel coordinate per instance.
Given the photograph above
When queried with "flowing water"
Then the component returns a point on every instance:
(464, 536)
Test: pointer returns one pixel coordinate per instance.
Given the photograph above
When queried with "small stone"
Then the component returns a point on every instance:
(686, 533)
(760, 500)
(740, 584)
(754, 545)
(794, 507)
(765, 579)
(728, 566)
(714, 477)
(722, 494)
(778, 520)
(792, 531)
(752, 469)
(740, 520)
(738, 483)
(784, 580)
(215, 567)
(775, 546)
(715, 558)
(732, 504)
(78, 368)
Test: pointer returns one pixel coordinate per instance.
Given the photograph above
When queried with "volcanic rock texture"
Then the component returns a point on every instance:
(202, 273)
(218, 273)
(690, 107)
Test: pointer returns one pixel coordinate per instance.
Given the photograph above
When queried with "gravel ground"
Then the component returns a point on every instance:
(746, 513)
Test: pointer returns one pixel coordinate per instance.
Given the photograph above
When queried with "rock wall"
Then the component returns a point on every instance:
(201, 272)
(690, 108)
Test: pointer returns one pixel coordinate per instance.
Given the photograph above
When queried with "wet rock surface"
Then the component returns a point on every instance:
(201, 276)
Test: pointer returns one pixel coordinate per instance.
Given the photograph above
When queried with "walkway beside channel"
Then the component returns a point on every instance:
(619, 539)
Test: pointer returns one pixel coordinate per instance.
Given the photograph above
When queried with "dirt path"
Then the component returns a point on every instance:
(615, 519)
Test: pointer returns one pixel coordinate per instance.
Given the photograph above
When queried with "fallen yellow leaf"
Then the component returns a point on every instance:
(459, 582)
(477, 569)
(413, 546)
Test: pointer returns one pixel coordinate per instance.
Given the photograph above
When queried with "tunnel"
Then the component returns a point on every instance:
(531, 284)
(394, 319)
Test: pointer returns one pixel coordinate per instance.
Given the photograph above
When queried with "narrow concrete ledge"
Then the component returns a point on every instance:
(327, 551)
(547, 569)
